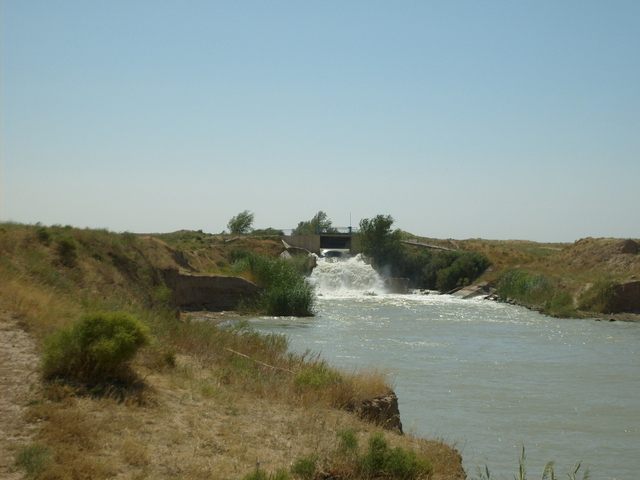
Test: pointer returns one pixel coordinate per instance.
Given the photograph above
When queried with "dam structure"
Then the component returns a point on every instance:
(336, 238)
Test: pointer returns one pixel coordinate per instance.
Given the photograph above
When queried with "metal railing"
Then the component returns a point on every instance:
(325, 231)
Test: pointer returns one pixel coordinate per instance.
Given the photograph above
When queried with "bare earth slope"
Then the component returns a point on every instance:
(18, 364)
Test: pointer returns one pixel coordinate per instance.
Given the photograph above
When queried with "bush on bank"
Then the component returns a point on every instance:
(97, 348)
(286, 290)
(441, 271)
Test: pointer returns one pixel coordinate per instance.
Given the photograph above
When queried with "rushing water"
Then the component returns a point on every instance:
(488, 378)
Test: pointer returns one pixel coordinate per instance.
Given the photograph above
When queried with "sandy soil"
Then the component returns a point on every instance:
(18, 385)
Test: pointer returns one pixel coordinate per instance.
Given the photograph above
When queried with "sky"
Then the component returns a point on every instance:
(460, 119)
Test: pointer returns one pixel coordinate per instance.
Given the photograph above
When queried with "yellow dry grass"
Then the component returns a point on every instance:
(191, 427)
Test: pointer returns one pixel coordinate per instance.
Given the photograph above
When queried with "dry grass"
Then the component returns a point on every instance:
(585, 260)
(194, 432)
(42, 310)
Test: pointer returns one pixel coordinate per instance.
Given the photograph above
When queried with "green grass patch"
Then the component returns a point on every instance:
(305, 467)
(526, 288)
(33, 458)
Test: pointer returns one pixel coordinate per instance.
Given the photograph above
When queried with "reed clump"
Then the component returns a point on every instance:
(286, 291)
(530, 289)
(548, 472)
(537, 291)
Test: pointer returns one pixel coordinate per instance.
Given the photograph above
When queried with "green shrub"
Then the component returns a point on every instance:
(67, 250)
(97, 348)
(286, 290)
(466, 267)
(412, 266)
(374, 460)
(238, 254)
(267, 232)
(442, 271)
(347, 442)
(33, 458)
(43, 235)
(305, 467)
(396, 463)
(405, 464)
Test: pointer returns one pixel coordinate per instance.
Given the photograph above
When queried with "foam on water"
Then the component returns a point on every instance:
(346, 277)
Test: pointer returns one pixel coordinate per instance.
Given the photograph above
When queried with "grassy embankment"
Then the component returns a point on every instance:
(559, 279)
(197, 401)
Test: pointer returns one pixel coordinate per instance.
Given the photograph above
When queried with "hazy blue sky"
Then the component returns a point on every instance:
(493, 119)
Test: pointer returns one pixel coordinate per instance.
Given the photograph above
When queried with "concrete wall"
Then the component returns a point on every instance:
(626, 297)
(308, 242)
(314, 243)
(208, 292)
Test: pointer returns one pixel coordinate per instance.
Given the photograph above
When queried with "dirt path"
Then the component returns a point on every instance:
(18, 382)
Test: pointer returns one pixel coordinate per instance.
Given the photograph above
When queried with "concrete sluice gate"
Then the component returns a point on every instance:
(324, 241)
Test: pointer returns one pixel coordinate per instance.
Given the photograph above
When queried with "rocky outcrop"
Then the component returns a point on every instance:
(208, 292)
(626, 298)
(480, 290)
(381, 411)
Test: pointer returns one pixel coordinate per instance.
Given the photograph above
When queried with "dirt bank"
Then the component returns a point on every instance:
(18, 386)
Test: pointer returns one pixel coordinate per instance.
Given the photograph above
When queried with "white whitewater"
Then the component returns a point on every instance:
(346, 277)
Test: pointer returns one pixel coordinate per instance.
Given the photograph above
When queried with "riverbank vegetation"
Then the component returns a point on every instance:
(442, 270)
(286, 290)
(567, 280)
(131, 389)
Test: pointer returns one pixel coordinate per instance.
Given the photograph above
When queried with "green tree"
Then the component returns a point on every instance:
(379, 241)
(241, 223)
(320, 223)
